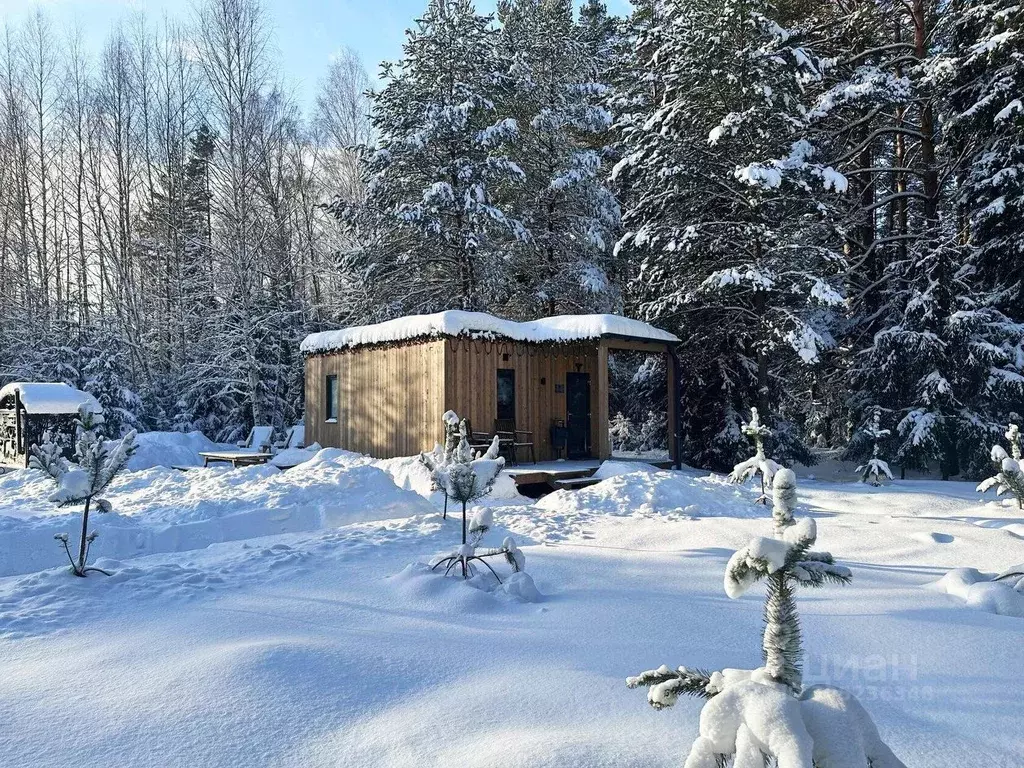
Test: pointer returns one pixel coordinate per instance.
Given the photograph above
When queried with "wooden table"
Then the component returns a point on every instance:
(235, 458)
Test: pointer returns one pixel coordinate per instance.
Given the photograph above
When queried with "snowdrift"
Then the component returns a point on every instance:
(166, 510)
(978, 590)
(630, 488)
(171, 449)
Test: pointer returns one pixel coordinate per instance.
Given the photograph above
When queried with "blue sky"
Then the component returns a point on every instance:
(307, 32)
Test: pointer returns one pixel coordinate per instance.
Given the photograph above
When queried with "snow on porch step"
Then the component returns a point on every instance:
(575, 483)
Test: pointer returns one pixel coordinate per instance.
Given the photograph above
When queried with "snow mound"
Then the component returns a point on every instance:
(612, 468)
(423, 586)
(37, 603)
(654, 491)
(978, 590)
(753, 716)
(646, 492)
(170, 449)
(291, 457)
(164, 510)
(520, 586)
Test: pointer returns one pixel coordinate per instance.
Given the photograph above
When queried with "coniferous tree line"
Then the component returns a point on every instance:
(824, 200)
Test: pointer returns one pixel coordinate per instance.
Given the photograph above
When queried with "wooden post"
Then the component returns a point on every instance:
(19, 431)
(672, 382)
(604, 450)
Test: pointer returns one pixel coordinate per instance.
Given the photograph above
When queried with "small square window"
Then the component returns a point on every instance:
(331, 398)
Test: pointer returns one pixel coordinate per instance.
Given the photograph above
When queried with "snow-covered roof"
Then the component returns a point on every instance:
(562, 328)
(50, 397)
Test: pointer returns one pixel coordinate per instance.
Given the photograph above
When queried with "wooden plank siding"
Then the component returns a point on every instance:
(471, 375)
(390, 399)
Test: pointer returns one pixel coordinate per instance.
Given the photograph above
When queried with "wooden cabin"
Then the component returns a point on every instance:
(30, 409)
(382, 389)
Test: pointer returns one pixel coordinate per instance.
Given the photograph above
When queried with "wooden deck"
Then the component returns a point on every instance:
(568, 474)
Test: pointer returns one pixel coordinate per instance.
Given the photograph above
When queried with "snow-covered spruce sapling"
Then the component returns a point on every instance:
(783, 500)
(464, 478)
(758, 464)
(82, 481)
(874, 469)
(766, 716)
(440, 457)
(437, 460)
(1009, 477)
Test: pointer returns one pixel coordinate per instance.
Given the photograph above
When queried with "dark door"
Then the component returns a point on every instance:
(577, 416)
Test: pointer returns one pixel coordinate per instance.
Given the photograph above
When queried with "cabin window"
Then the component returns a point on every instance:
(506, 393)
(331, 398)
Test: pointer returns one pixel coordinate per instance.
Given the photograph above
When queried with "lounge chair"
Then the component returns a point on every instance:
(255, 449)
(296, 438)
(260, 439)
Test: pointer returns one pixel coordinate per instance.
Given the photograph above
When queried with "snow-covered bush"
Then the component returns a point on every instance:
(463, 478)
(1009, 477)
(874, 469)
(758, 464)
(96, 464)
(761, 717)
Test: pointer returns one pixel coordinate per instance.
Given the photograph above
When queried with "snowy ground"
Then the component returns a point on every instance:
(262, 618)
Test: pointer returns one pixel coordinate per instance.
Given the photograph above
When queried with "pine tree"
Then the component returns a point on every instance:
(82, 482)
(754, 717)
(981, 73)
(759, 464)
(865, 122)
(949, 365)
(107, 376)
(441, 458)
(1009, 477)
(599, 34)
(464, 478)
(874, 469)
(727, 215)
(620, 433)
(551, 91)
(637, 389)
(432, 233)
(175, 240)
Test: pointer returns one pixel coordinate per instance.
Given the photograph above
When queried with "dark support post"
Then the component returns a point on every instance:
(18, 437)
(676, 389)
